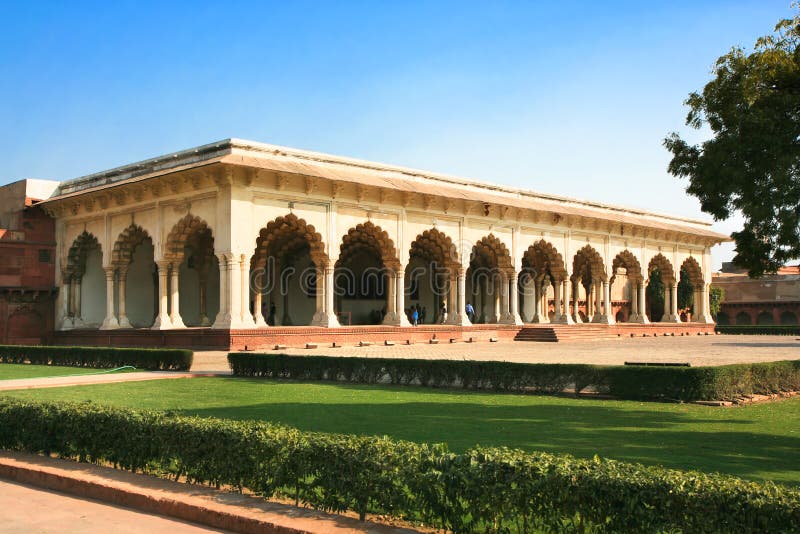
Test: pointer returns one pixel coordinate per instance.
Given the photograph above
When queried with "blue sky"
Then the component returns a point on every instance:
(571, 98)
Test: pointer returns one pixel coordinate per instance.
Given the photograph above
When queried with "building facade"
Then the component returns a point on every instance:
(240, 235)
(27, 263)
(770, 300)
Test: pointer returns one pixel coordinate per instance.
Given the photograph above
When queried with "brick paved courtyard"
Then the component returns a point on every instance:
(697, 350)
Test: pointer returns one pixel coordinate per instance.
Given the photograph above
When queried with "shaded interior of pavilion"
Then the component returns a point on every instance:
(290, 280)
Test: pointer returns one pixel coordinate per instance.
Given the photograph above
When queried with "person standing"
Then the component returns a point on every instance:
(414, 316)
(422, 315)
(470, 312)
(443, 315)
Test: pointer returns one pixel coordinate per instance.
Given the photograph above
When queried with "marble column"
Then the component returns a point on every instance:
(244, 293)
(557, 302)
(175, 298)
(503, 289)
(223, 318)
(598, 302)
(566, 316)
(400, 297)
(497, 304)
(258, 299)
(634, 315)
(670, 304)
(704, 316)
(641, 293)
(535, 294)
(203, 297)
(674, 303)
(110, 322)
(66, 303)
(122, 280)
(576, 297)
(162, 321)
(589, 302)
(391, 318)
(608, 313)
(513, 295)
(543, 304)
(77, 315)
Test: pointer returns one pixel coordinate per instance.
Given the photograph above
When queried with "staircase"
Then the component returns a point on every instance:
(564, 332)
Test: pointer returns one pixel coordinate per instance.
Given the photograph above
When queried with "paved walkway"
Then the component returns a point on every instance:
(82, 380)
(51, 511)
(697, 350)
(28, 509)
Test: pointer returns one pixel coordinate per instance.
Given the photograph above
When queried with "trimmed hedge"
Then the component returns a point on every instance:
(99, 357)
(763, 330)
(482, 490)
(626, 382)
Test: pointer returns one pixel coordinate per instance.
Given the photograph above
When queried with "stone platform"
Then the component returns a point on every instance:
(299, 336)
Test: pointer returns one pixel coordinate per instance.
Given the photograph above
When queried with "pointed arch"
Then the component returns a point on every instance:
(489, 252)
(130, 238)
(191, 231)
(544, 260)
(76, 256)
(664, 266)
(628, 261)
(692, 269)
(434, 246)
(287, 235)
(363, 275)
(588, 264)
(372, 239)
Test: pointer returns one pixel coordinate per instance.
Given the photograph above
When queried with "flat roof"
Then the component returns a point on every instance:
(304, 162)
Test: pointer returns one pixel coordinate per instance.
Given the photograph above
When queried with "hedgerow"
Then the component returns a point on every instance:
(763, 330)
(481, 490)
(626, 382)
(99, 357)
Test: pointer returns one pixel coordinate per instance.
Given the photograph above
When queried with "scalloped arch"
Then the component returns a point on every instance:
(692, 268)
(189, 231)
(434, 246)
(490, 252)
(371, 238)
(543, 258)
(588, 263)
(288, 234)
(130, 238)
(76, 256)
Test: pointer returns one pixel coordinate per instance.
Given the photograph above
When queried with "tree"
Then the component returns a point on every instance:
(655, 296)
(752, 161)
(715, 297)
(685, 291)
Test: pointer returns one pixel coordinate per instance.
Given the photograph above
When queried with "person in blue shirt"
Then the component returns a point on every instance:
(415, 317)
(470, 312)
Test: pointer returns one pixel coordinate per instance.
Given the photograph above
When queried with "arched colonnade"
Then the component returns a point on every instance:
(290, 279)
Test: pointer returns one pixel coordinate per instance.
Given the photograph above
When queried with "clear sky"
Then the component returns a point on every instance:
(572, 98)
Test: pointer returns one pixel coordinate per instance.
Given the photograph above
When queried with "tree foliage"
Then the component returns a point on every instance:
(751, 164)
(715, 297)
(685, 291)
(655, 296)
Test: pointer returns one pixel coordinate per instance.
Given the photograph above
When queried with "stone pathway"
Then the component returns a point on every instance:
(28, 509)
(83, 380)
(697, 350)
(54, 512)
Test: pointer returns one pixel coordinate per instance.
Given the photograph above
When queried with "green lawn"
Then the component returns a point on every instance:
(10, 371)
(758, 442)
